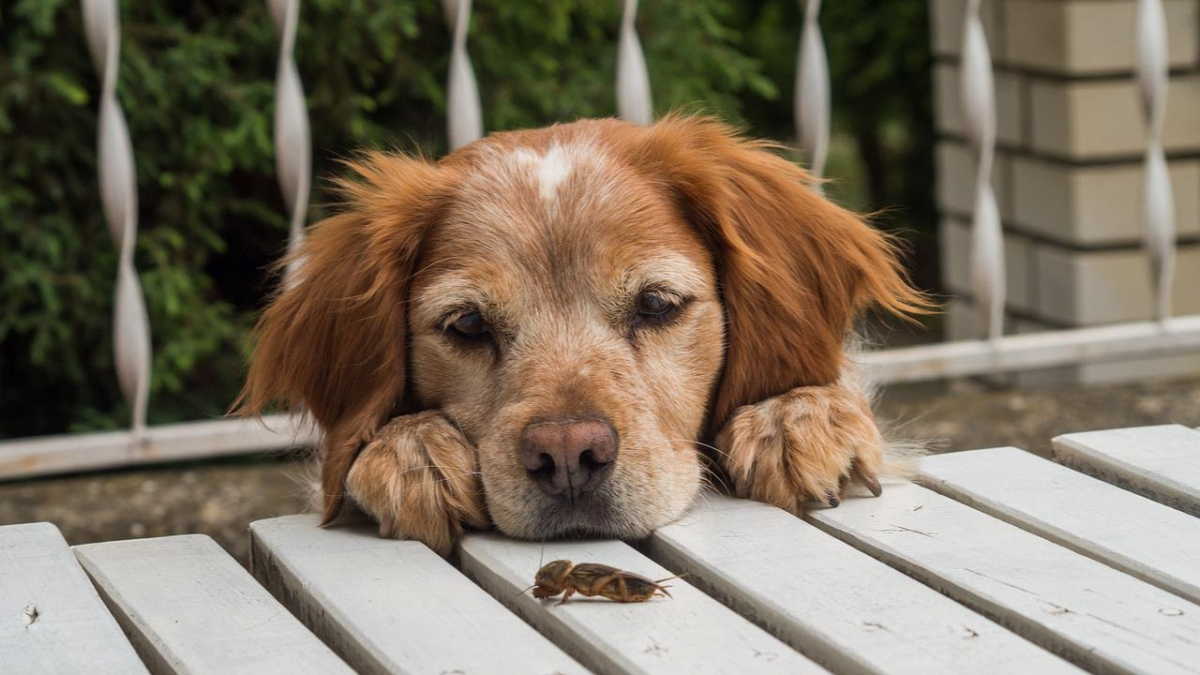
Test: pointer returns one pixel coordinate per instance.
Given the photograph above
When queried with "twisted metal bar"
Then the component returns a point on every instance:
(464, 122)
(633, 81)
(118, 192)
(1158, 203)
(293, 151)
(812, 92)
(979, 116)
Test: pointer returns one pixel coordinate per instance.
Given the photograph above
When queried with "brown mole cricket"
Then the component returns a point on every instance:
(591, 580)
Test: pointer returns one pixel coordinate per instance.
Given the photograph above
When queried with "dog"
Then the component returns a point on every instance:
(572, 330)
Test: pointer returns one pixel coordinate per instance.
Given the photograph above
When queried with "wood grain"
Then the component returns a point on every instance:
(689, 633)
(190, 608)
(1160, 462)
(1141, 537)
(51, 619)
(1099, 617)
(841, 607)
(391, 606)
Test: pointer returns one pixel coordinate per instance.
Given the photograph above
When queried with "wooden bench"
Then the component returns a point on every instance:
(994, 561)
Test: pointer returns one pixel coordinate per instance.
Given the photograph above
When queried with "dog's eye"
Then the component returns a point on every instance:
(469, 325)
(651, 305)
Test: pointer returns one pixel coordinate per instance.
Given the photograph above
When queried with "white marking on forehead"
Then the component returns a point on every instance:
(548, 170)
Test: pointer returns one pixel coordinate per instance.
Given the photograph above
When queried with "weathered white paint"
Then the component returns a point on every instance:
(173, 442)
(689, 633)
(190, 608)
(52, 621)
(1152, 542)
(1160, 462)
(842, 608)
(1099, 617)
(1034, 350)
(391, 606)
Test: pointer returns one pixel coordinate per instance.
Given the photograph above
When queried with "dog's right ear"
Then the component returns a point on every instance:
(794, 268)
(333, 339)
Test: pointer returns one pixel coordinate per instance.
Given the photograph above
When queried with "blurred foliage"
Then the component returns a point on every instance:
(196, 83)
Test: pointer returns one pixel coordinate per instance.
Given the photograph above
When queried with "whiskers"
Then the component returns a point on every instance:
(712, 478)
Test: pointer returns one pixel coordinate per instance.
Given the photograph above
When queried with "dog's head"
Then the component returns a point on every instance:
(585, 302)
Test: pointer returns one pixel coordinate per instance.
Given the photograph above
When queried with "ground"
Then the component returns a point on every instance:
(220, 499)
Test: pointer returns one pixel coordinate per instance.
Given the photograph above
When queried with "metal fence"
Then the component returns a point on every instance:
(994, 352)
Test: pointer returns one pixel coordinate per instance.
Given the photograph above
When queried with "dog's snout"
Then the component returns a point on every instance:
(568, 456)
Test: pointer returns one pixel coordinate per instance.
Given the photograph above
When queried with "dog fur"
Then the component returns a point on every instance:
(552, 237)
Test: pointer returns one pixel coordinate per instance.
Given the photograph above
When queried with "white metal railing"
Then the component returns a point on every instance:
(1001, 352)
(465, 116)
(293, 143)
(118, 192)
(633, 82)
(812, 92)
(995, 352)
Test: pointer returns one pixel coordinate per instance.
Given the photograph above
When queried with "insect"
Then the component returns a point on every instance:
(591, 579)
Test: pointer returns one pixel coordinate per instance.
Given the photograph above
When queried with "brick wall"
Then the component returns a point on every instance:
(1068, 172)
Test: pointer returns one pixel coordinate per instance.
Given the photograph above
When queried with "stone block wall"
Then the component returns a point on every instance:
(1068, 172)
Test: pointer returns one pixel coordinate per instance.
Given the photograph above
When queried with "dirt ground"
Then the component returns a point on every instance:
(220, 498)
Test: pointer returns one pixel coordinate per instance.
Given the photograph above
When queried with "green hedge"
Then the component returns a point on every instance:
(196, 83)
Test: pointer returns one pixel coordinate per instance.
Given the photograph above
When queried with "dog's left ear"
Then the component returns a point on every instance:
(794, 268)
(333, 340)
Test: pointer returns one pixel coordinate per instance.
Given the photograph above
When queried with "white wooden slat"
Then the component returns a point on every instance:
(841, 607)
(47, 455)
(1034, 350)
(390, 606)
(1159, 462)
(689, 633)
(1152, 542)
(190, 608)
(1094, 615)
(51, 619)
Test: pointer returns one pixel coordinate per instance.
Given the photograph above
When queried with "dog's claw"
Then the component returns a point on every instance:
(387, 527)
(831, 499)
(872, 484)
(866, 478)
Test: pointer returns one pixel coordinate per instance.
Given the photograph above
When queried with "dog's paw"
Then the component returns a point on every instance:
(805, 446)
(419, 479)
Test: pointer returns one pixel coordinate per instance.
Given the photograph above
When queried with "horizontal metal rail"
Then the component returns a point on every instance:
(29, 457)
(1035, 350)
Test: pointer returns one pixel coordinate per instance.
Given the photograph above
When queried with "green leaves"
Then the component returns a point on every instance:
(197, 85)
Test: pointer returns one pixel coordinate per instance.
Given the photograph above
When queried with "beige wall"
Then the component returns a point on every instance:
(1068, 173)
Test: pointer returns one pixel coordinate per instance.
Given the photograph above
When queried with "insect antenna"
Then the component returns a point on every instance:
(541, 557)
(677, 576)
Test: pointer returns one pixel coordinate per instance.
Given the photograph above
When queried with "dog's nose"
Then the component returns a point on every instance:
(568, 456)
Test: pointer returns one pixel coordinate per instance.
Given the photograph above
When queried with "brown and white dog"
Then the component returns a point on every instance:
(545, 330)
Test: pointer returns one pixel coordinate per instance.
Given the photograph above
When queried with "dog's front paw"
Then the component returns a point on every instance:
(419, 479)
(803, 446)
